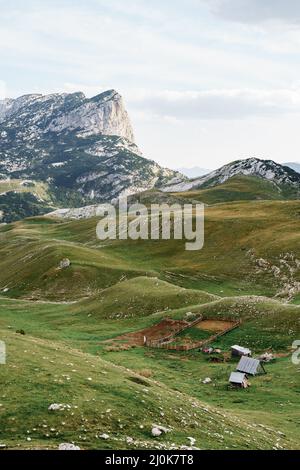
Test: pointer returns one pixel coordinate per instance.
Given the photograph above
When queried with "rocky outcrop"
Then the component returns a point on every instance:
(82, 149)
(285, 273)
(266, 169)
(104, 114)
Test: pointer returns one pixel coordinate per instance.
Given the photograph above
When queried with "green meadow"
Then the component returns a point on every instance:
(72, 353)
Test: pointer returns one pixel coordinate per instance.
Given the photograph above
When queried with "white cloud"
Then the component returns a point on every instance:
(217, 104)
(225, 73)
(252, 11)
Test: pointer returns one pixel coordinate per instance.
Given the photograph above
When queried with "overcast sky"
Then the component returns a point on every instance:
(205, 81)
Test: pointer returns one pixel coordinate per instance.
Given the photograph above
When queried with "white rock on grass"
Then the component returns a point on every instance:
(68, 446)
(207, 380)
(192, 441)
(156, 432)
(58, 407)
(163, 429)
(64, 263)
(104, 436)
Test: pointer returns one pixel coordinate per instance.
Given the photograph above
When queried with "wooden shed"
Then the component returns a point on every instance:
(250, 366)
(238, 379)
(240, 351)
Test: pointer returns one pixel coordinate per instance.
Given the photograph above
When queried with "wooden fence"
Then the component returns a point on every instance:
(168, 342)
(157, 343)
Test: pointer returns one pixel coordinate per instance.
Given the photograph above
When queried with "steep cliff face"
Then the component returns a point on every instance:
(103, 114)
(82, 149)
(37, 114)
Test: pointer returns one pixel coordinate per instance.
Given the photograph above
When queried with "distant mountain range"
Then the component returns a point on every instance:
(64, 151)
(295, 166)
(193, 172)
(284, 177)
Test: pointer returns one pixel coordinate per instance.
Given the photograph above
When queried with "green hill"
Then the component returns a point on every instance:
(241, 188)
(106, 399)
(250, 248)
(76, 319)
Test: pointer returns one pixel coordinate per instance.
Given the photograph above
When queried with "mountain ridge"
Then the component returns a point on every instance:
(266, 169)
(82, 148)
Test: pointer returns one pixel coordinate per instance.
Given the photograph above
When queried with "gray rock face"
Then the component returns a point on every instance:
(266, 169)
(103, 114)
(82, 149)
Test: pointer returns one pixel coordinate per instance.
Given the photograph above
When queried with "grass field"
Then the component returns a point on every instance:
(72, 318)
(241, 188)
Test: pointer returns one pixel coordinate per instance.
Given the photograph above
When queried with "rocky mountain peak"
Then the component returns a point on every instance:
(266, 169)
(80, 149)
(104, 114)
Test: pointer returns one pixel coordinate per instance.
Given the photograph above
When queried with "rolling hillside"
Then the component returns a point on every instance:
(250, 248)
(76, 318)
(240, 188)
(108, 406)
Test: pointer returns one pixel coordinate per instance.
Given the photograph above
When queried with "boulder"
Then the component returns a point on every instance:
(64, 263)
(68, 446)
(207, 380)
(156, 432)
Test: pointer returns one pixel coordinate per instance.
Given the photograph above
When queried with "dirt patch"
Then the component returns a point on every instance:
(160, 330)
(215, 326)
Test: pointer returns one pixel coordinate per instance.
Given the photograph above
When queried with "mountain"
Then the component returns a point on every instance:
(81, 149)
(239, 188)
(286, 179)
(293, 165)
(193, 172)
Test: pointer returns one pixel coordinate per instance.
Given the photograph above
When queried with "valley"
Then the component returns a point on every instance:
(126, 344)
(74, 317)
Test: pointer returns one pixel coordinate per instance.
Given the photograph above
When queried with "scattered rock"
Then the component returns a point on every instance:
(58, 407)
(104, 436)
(192, 441)
(207, 380)
(68, 446)
(266, 357)
(156, 432)
(157, 428)
(64, 263)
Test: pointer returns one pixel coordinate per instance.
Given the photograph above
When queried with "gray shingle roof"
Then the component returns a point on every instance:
(237, 377)
(249, 365)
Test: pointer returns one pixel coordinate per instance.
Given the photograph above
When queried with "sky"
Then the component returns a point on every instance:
(205, 81)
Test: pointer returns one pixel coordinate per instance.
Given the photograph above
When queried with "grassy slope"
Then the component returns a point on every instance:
(106, 399)
(240, 188)
(271, 401)
(113, 276)
(39, 189)
(31, 250)
(143, 296)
